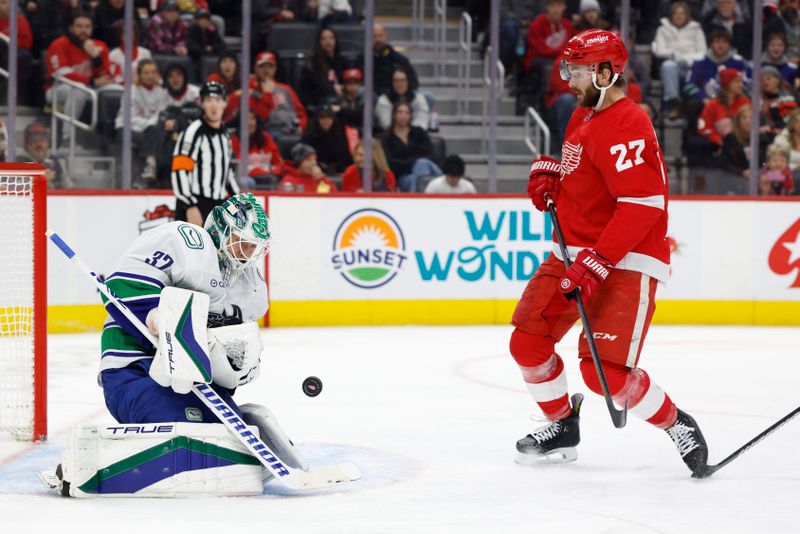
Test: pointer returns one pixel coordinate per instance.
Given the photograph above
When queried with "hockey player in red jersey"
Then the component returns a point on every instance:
(610, 189)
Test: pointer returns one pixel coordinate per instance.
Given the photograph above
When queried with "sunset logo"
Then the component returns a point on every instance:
(368, 248)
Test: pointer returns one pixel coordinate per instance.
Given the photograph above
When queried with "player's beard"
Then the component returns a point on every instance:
(590, 97)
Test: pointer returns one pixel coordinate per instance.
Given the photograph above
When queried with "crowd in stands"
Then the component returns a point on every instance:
(702, 53)
(305, 116)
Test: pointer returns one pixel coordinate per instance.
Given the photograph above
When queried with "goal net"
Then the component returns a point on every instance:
(23, 301)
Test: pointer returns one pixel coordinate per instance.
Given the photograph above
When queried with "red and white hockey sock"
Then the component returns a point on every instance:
(646, 400)
(547, 384)
(543, 373)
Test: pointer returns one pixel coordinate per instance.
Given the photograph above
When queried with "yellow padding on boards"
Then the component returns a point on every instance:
(443, 312)
(90, 317)
(78, 318)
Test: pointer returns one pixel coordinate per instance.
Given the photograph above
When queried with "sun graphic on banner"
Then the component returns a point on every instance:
(368, 248)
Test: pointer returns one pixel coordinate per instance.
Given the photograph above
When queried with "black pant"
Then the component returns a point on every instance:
(205, 205)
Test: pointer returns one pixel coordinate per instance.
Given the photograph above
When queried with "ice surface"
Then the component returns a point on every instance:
(431, 415)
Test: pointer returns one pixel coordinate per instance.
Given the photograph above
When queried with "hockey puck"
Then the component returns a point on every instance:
(312, 386)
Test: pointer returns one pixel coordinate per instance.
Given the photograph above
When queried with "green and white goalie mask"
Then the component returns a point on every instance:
(241, 232)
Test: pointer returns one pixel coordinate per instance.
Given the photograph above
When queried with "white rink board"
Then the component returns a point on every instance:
(723, 247)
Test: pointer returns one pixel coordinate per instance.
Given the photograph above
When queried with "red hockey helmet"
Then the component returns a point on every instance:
(592, 47)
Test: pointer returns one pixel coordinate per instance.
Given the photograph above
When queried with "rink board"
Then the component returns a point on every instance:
(414, 259)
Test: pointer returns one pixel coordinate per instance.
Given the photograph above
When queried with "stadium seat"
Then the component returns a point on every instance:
(285, 143)
(207, 66)
(350, 37)
(439, 150)
(291, 36)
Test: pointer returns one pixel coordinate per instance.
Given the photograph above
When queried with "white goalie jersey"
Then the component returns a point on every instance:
(176, 254)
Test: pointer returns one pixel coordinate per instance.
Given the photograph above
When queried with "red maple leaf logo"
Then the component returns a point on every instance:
(785, 254)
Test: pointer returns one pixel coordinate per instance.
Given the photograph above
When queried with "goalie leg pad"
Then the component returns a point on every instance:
(273, 435)
(157, 460)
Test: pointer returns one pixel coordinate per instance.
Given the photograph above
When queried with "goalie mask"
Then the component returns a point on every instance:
(241, 231)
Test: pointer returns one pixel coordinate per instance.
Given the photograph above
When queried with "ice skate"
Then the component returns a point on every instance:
(691, 444)
(555, 442)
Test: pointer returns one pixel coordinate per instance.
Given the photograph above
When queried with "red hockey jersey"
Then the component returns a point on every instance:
(614, 189)
(65, 58)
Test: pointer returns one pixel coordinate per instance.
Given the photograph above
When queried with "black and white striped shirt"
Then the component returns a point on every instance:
(201, 164)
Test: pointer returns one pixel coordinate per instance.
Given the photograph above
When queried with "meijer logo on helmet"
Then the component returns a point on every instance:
(598, 39)
(368, 248)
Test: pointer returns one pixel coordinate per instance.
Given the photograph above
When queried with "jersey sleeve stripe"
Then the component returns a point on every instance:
(138, 277)
(656, 201)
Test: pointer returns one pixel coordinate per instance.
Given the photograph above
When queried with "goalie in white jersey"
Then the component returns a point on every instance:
(200, 291)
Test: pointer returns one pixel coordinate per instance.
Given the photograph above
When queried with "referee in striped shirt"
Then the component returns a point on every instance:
(202, 175)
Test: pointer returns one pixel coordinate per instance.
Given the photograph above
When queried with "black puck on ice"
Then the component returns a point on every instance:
(312, 386)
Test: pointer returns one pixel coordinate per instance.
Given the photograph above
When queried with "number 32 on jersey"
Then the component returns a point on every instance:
(628, 156)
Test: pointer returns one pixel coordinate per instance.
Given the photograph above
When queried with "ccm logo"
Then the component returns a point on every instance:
(603, 336)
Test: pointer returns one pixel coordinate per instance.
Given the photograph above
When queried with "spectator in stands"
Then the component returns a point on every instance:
(351, 105)
(383, 179)
(203, 38)
(167, 32)
(775, 55)
(775, 178)
(117, 56)
(591, 16)
(24, 47)
(790, 139)
(148, 101)
(727, 17)
(401, 90)
(560, 102)
(334, 12)
(679, 42)
(264, 162)
(179, 92)
(787, 22)
(326, 136)
(227, 72)
(320, 80)
(79, 58)
(37, 150)
(106, 14)
(385, 61)
(452, 181)
(547, 34)
(305, 175)
(700, 84)
(716, 121)
(736, 145)
(181, 107)
(776, 101)
(514, 14)
(408, 149)
(274, 101)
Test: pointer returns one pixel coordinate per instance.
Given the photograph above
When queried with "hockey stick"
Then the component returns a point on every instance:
(708, 470)
(618, 417)
(291, 477)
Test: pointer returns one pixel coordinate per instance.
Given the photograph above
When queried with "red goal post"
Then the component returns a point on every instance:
(23, 301)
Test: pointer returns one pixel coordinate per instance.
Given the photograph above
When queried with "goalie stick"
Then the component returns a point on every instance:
(291, 477)
(618, 417)
(708, 470)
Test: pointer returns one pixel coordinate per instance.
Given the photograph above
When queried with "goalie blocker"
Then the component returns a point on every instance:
(169, 459)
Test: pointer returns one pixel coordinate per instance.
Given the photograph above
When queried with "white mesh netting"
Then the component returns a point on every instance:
(16, 306)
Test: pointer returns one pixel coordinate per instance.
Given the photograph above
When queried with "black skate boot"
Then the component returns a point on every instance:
(691, 444)
(554, 442)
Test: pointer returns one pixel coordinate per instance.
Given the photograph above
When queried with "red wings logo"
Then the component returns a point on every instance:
(570, 158)
(785, 254)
